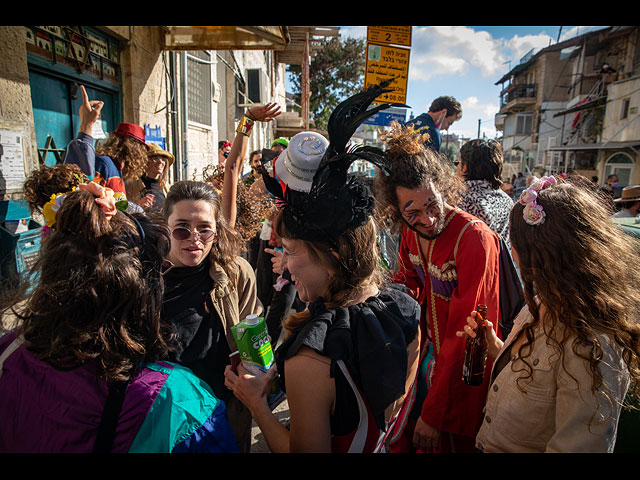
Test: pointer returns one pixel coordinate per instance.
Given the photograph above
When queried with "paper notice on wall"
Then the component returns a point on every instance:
(11, 160)
(97, 132)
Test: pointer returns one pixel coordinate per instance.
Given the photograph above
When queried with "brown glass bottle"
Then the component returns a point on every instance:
(475, 352)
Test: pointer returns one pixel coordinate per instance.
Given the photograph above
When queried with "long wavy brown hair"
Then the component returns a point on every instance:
(98, 291)
(585, 271)
(128, 152)
(229, 241)
(354, 267)
(412, 166)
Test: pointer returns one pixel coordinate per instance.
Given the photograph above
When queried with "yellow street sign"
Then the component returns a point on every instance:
(384, 62)
(390, 35)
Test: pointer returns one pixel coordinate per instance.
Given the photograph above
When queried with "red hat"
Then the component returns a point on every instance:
(131, 130)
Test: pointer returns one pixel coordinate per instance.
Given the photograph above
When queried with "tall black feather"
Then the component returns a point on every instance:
(343, 122)
(349, 115)
(337, 201)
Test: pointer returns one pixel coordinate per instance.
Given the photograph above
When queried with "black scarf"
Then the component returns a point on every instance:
(201, 343)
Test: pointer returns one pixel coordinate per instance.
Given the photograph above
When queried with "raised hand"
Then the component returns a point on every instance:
(264, 113)
(89, 111)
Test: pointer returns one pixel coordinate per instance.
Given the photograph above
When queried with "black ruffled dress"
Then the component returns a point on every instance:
(371, 340)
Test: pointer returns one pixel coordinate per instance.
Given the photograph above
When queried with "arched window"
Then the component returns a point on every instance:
(621, 165)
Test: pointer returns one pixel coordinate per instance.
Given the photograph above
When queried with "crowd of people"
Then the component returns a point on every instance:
(121, 340)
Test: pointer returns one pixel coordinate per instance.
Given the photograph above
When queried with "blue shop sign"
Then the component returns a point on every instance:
(385, 117)
(154, 135)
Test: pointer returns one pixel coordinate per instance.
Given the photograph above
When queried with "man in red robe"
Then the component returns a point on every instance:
(449, 261)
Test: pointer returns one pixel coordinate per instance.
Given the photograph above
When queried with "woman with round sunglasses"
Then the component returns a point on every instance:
(208, 289)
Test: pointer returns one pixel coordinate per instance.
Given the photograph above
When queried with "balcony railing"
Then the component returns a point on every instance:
(518, 91)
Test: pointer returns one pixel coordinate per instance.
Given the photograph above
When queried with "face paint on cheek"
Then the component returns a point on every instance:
(407, 205)
(410, 218)
(431, 210)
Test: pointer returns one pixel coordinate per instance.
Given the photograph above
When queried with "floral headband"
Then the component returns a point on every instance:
(104, 198)
(533, 213)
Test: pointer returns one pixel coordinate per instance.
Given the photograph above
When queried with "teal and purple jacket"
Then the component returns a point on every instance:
(166, 409)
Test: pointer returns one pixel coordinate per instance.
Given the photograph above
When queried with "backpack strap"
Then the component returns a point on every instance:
(455, 249)
(13, 346)
(110, 417)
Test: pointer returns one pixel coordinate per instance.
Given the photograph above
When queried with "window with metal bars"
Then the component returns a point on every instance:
(199, 87)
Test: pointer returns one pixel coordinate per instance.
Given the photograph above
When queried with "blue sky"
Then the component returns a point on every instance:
(466, 62)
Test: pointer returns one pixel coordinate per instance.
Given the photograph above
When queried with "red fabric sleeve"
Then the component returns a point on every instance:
(406, 274)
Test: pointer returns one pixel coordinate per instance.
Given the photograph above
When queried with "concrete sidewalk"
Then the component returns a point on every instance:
(258, 443)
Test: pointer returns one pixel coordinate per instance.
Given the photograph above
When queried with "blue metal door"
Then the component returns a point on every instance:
(51, 114)
(56, 101)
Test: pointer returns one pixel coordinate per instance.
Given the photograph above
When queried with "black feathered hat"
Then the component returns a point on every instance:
(338, 201)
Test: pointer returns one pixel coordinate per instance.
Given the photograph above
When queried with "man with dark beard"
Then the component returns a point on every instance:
(448, 259)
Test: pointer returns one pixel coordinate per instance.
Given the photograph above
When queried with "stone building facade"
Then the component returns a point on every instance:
(187, 100)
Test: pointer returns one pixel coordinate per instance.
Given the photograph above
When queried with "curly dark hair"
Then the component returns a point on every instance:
(229, 241)
(586, 272)
(483, 159)
(103, 302)
(252, 207)
(46, 181)
(130, 153)
(412, 166)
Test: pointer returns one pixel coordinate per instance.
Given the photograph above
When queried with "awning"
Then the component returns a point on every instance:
(598, 102)
(598, 146)
(226, 37)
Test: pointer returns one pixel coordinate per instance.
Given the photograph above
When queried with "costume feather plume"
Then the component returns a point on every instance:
(343, 123)
(337, 201)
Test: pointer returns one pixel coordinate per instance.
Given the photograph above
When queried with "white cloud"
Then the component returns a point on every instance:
(575, 31)
(518, 46)
(485, 110)
(427, 66)
(355, 32)
(442, 50)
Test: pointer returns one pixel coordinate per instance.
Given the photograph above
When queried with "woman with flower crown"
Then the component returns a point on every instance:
(560, 379)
